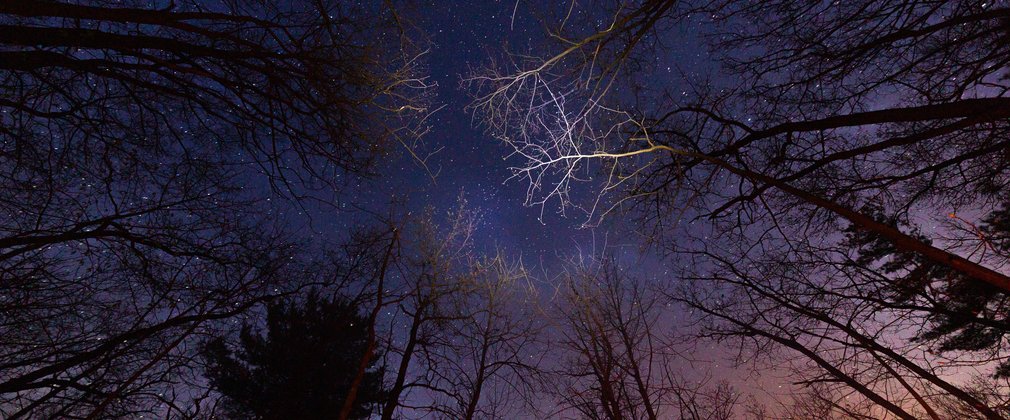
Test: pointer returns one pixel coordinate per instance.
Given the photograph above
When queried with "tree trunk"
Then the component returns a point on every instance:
(359, 376)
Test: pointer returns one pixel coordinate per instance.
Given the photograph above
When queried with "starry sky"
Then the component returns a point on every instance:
(463, 35)
(466, 160)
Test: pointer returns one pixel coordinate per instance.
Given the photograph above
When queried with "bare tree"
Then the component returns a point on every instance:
(424, 298)
(859, 344)
(461, 329)
(490, 365)
(371, 345)
(304, 91)
(139, 152)
(619, 362)
(882, 119)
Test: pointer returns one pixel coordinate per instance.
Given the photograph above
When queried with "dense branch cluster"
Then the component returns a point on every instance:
(139, 151)
(829, 197)
(839, 182)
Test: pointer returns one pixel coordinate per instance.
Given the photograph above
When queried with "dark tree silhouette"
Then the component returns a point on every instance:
(143, 149)
(305, 90)
(615, 359)
(877, 117)
(963, 314)
(301, 367)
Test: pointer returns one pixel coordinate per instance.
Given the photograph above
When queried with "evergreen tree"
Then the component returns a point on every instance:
(964, 314)
(302, 368)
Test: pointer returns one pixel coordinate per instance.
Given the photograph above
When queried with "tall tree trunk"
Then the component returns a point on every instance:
(478, 384)
(401, 374)
(359, 376)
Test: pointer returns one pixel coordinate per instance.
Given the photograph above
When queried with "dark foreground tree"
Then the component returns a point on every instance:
(302, 367)
(143, 149)
(882, 118)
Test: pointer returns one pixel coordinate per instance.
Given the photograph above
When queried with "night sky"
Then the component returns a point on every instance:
(466, 160)
(464, 35)
(791, 203)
